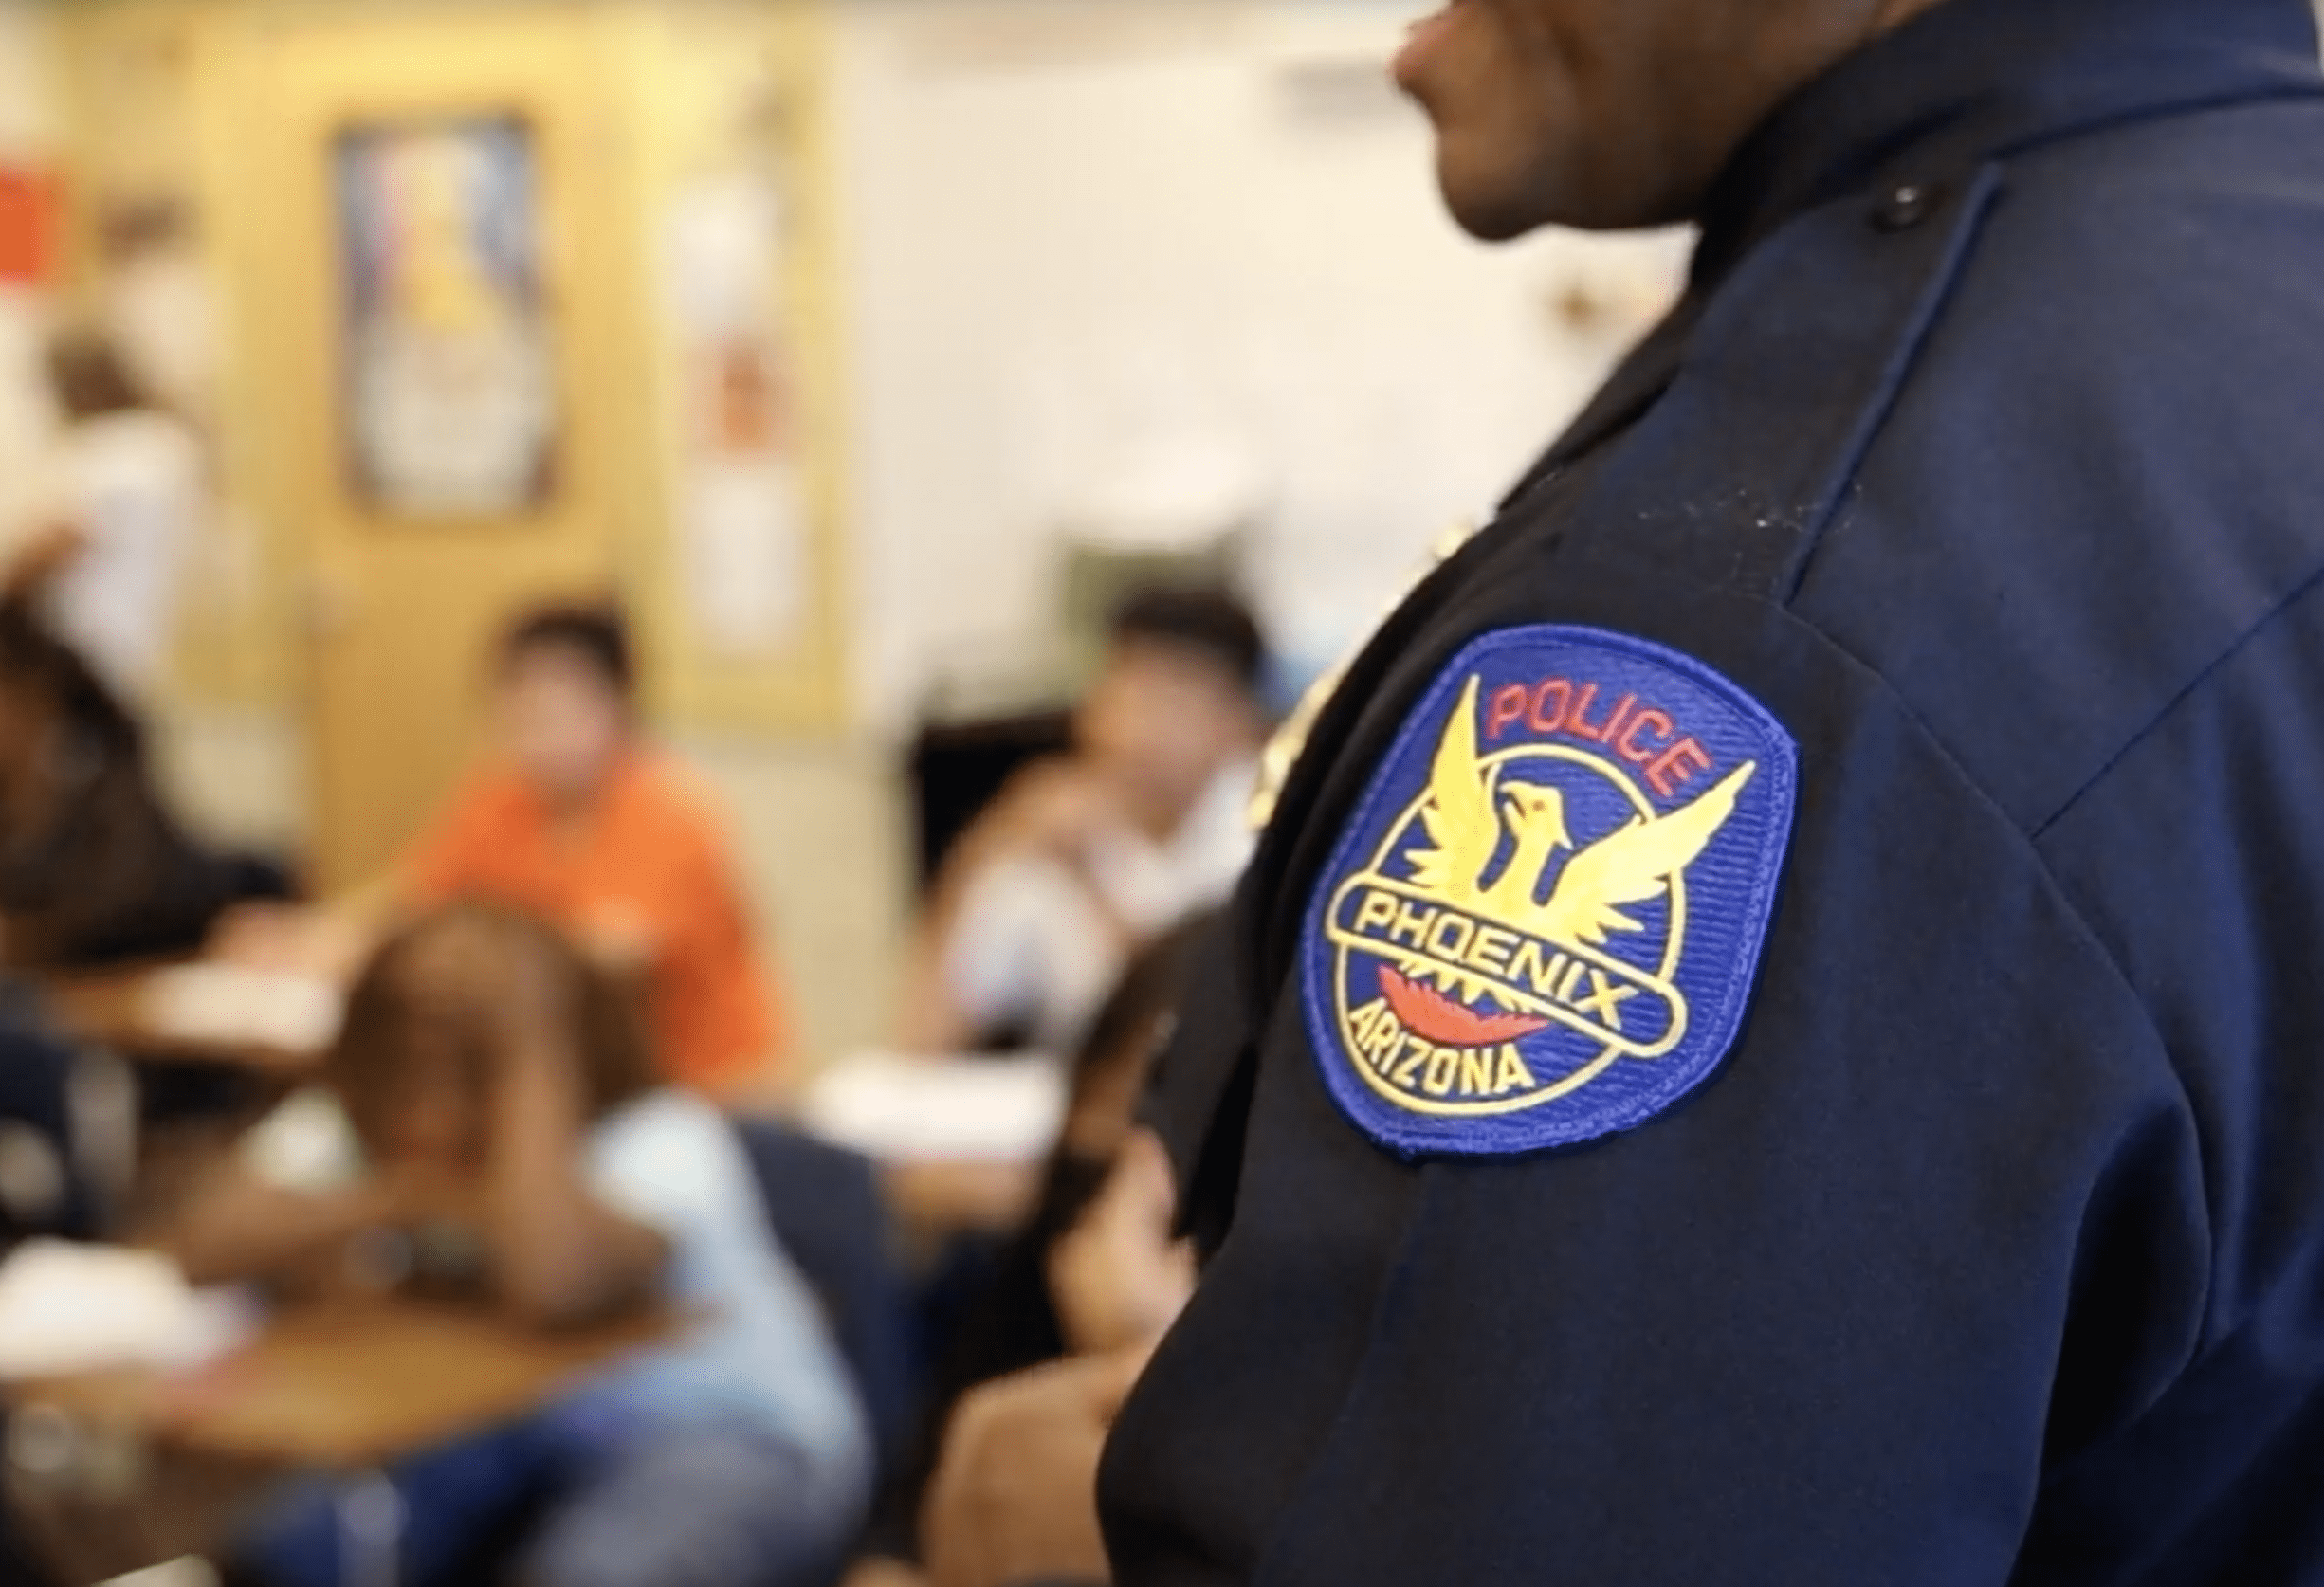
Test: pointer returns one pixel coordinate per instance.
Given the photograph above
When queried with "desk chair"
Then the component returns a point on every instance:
(955, 768)
(43, 1190)
(43, 1187)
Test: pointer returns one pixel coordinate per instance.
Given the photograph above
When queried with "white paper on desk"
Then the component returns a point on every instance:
(187, 1571)
(225, 1005)
(910, 1109)
(88, 1308)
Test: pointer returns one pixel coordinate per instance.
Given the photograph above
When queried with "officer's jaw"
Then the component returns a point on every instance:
(1612, 114)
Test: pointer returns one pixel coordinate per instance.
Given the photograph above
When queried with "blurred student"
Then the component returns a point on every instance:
(1098, 1270)
(577, 819)
(489, 1122)
(1085, 858)
(93, 869)
(115, 516)
(998, 1512)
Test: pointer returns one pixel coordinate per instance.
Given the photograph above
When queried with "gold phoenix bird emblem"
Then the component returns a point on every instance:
(1468, 806)
(1497, 942)
(1476, 922)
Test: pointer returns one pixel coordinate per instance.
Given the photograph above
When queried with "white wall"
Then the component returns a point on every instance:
(1087, 238)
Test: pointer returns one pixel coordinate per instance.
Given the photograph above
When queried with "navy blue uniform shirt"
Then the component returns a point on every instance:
(1985, 458)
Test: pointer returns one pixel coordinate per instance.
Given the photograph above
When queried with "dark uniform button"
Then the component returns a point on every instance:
(1907, 205)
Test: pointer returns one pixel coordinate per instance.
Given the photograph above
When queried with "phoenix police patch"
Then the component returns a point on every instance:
(1543, 925)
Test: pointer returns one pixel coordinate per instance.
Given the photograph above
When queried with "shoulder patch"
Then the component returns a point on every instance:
(1543, 923)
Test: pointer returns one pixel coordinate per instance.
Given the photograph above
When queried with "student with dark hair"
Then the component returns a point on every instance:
(597, 634)
(577, 819)
(93, 869)
(1193, 621)
(1085, 858)
(488, 1123)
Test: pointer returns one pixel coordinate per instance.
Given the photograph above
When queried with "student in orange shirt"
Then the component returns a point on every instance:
(578, 820)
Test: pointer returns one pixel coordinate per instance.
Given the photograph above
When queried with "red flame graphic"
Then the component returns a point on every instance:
(1430, 1013)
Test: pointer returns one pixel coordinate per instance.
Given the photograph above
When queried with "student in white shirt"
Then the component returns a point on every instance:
(1085, 859)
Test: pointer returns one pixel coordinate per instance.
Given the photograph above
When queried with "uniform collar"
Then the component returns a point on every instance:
(1973, 79)
(1969, 82)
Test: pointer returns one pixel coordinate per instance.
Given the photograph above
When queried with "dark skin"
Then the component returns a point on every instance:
(481, 1125)
(1604, 115)
(1610, 115)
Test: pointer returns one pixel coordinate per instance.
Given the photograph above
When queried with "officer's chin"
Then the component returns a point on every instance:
(1496, 215)
(1495, 198)
(1484, 203)
(1502, 213)
(1487, 223)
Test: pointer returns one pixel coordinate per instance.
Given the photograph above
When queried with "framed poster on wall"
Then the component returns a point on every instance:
(450, 355)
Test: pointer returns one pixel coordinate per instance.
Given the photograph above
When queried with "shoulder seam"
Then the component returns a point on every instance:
(1910, 346)
(2073, 904)
(2194, 687)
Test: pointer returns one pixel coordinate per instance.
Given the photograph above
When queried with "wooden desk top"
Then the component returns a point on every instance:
(348, 1388)
(112, 1009)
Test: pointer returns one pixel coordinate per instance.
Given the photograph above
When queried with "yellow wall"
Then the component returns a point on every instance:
(158, 98)
(146, 93)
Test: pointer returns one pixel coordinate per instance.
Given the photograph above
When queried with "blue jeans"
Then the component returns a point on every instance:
(576, 1498)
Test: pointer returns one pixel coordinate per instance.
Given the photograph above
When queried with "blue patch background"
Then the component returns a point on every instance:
(1730, 887)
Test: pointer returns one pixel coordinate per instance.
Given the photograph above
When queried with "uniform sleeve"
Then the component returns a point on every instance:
(1936, 1223)
(1197, 1099)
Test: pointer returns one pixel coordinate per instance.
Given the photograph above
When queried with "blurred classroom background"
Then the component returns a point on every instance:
(856, 320)
(942, 415)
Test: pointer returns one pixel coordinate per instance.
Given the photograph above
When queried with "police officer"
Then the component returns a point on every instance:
(1775, 1035)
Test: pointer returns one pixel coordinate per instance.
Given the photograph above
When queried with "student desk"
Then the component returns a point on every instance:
(960, 1140)
(348, 1389)
(170, 1058)
(120, 1012)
